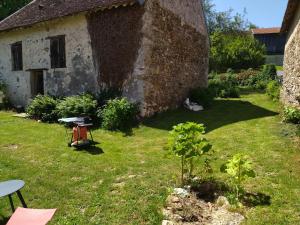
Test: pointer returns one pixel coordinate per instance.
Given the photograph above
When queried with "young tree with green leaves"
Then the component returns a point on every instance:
(186, 141)
(239, 168)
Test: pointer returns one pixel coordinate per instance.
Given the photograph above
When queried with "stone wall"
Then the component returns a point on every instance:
(190, 12)
(115, 36)
(79, 74)
(156, 53)
(175, 55)
(291, 79)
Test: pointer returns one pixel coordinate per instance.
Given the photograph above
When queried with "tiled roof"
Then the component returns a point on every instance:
(273, 30)
(289, 14)
(44, 10)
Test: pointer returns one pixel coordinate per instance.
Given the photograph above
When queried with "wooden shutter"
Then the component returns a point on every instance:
(58, 52)
(17, 56)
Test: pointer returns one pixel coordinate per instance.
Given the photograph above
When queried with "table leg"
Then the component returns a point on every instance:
(21, 199)
(11, 203)
(91, 135)
(71, 141)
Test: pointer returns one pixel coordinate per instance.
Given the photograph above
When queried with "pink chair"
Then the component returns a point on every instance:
(24, 216)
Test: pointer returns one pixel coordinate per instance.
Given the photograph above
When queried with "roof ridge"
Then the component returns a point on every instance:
(33, 13)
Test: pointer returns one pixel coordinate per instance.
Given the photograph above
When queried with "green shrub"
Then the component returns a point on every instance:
(202, 96)
(79, 105)
(4, 103)
(118, 114)
(107, 94)
(43, 108)
(244, 77)
(225, 86)
(230, 92)
(186, 141)
(261, 84)
(236, 51)
(239, 168)
(291, 115)
(269, 72)
(261, 80)
(212, 75)
(273, 90)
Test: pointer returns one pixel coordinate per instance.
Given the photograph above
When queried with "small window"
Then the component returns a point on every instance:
(57, 52)
(17, 56)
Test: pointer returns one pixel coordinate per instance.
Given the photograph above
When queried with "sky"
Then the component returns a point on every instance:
(263, 13)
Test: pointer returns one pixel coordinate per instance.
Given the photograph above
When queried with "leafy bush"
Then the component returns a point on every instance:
(202, 96)
(2, 86)
(291, 115)
(269, 72)
(79, 105)
(225, 86)
(261, 81)
(230, 92)
(107, 94)
(239, 168)
(244, 77)
(3, 99)
(186, 141)
(43, 108)
(273, 90)
(118, 114)
(236, 51)
(212, 75)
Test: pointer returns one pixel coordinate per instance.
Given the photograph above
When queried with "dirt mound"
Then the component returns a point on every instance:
(189, 209)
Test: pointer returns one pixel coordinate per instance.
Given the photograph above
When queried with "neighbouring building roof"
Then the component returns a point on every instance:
(44, 10)
(273, 30)
(289, 14)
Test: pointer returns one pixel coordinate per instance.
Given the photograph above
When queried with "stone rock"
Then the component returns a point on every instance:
(192, 210)
(223, 202)
(175, 199)
(167, 222)
(224, 217)
(181, 192)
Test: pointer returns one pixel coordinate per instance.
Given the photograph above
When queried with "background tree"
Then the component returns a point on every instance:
(232, 45)
(235, 51)
(225, 21)
(8, 7)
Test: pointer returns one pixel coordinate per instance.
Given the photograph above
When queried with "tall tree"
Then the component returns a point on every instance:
(224, 21)
(7, 7)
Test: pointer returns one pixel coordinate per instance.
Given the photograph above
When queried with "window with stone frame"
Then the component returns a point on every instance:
(58, 52)
(17, 56)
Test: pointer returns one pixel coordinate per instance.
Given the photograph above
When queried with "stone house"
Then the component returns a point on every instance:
(291, 78)
(155, 51)
(274, 41)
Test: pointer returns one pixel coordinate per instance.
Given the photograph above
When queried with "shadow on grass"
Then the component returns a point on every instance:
(221, 113)
(210, 190)
(91, 149)
(256, 199)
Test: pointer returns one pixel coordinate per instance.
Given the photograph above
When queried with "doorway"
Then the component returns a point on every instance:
(37, 83)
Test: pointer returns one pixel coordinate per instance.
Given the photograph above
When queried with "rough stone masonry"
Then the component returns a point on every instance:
(155, 52)
(291, 78)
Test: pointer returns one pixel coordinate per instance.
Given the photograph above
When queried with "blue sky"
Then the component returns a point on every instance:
(263, 13)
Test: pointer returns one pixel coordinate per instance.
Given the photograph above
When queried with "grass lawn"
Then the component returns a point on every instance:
(125, 180)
